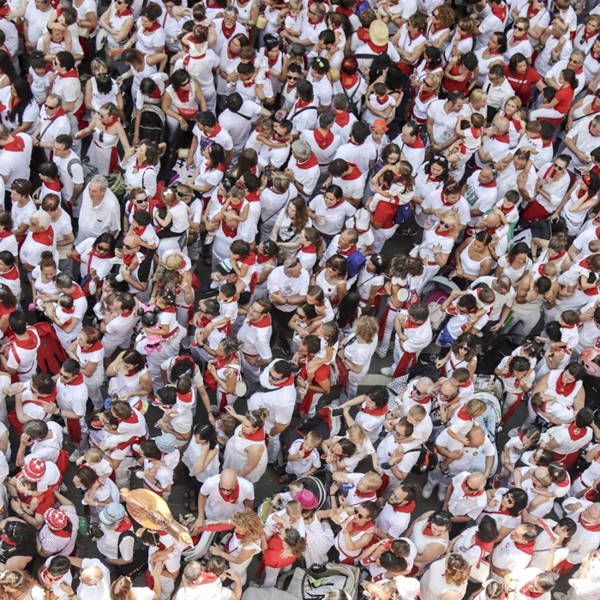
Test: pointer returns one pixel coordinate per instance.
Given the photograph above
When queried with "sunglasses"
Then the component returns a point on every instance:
(182, 194)
(103, 248)
(292, 78)
(127, 247)
(558, 167)
(520, 28)
(445, 224)
(51, 107)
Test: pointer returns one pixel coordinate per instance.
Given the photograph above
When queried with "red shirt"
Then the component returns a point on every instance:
(565, 98)
(522, 83)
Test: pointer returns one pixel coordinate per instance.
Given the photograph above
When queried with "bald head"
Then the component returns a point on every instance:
(448, 389)
(91, 575)
(476, 436)
(476, 481)
(501, 124)
(228, 479)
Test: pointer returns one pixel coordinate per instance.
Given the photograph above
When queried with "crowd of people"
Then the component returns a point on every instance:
(214, 217)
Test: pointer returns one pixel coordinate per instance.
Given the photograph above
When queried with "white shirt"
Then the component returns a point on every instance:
(216, 507)
(278, 281)
(94, 220)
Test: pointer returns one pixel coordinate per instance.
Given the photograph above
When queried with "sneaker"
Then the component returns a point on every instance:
(381, 353)
(387, 371)
(514, 432)
(427, 490)
(75, 455)
(441, 495)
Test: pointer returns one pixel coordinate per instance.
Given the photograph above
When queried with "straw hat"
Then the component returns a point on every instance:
(379, 33)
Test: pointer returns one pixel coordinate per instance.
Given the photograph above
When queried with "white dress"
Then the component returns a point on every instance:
(236, 457)
(103, 151)
(434, 585)
(319, 538)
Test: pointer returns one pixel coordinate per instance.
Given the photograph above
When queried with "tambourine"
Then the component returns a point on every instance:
(152, 512)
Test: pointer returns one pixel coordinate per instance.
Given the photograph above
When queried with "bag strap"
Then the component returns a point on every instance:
(72, 162)
(301, 111)
(122, 536)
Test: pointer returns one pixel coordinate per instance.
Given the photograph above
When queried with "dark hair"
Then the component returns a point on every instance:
(65, 59)
(206, 432)
(348, 447)
(348, 309)
(520, 500)
(515, 59)
(25, 96)
(569, 77)
(17, 322)
(6, 65)
(584, 417)
(487, 530)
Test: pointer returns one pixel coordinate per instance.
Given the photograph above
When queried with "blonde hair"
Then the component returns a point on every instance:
(295, 488)
(313, 437)
(294, 508)
(371, 480)
(451, 217)
(475, 407)
(250, 522)
(457, 569)
(550, 269)
(93, 455)
(477, 94)
(367, 327)
(15, 579)
(435, 80)
(295, 4)
(356, 434)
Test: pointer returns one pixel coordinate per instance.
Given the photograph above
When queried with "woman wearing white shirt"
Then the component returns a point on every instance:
(445, 579)
(201, 457)
(578, 201)
(140, 167)
(21, 111)
(357, 350)
(209, 173)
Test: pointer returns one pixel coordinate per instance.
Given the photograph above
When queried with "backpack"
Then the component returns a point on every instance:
(88, 169)
(153, 123)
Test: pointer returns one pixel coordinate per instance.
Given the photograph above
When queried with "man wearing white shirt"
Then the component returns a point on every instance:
(100, 211)
(255, 333)
(498, 90)
(15, 156)
(53, 122)
(441, 120)
(238, 117)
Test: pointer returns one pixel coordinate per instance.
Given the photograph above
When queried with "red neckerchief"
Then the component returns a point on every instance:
(362, 34)
(155, 93)
(72, 73)
(375, 412)
(425, 95)
(418, 143)
(132, 418)
(427, 530)
(17, 145)
(63, 533)
(558, 256)
(5, 234)
(501, 138)
(526, 589)
(29, 344)
(125, 524)
(348, 81)
(354, 528)
(285, 382)
(344, 11)
(227, 31)
(576, 433)
(519, 38)
(360, 494)
(263, 322)
(233, 496)
(170, 309)
(527, 547)
(550, 172)
(257, 436)
(309, 249)
(153, 27)
(377, 49)
(469, 493)
(463, 415)
(588, 526)
(531, 12)
(128, 259)
(123, 13)
(445, 233)
(310, 162)
(324, 140)
(381, 101)
(305, 453)
(500, 11)
(354, 174)
(564, 389)
(248, 84)
(45, 237)
(183, 95)
(186, 398)
(302, 103)
(404, 508)
(486, 547)
(97, 345)
(347, 251)
(53, 185)
(12, 274)
(410, 324)
(342, 117)
(216, 131)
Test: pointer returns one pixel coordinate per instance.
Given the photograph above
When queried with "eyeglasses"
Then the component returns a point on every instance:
(558, 167)
(182, 194)
(292, 78)
(274, 378)
(445, 224)
(48, 107)
(140, 201)
(127, 247)
(465, 348)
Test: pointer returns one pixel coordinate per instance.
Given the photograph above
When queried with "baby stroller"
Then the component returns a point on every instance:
(314, 583)
(434, 294)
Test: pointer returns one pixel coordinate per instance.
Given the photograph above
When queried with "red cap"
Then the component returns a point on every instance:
(34, 470)
(56, 518)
